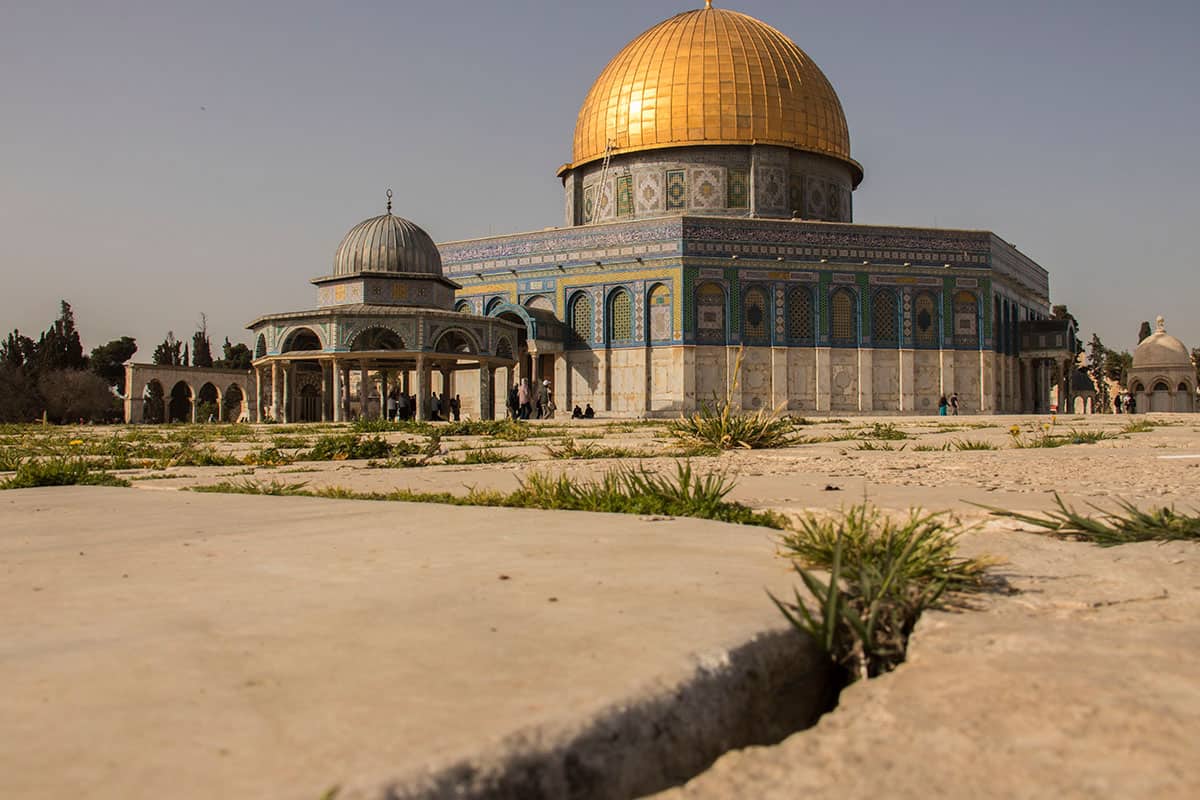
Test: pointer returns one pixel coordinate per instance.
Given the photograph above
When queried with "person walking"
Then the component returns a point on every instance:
(547, 401)
(514, 403)
(942, 405)
(456, 408)
(954, 403)
(524, 399)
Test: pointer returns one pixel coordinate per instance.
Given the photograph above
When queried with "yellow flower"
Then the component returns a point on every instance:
(76, 442)
(1046, 426)
(1015, 430)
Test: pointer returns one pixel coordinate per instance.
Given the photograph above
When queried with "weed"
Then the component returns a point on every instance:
(1141, 426)
(568, 449)
(483, 455)
(59, 472)
(1110, 528)
(931, 448)
(10, 459)
(884, 431)
(971, 444)
(879, 446)
(349, 446)
(883, 575)
(268, 457)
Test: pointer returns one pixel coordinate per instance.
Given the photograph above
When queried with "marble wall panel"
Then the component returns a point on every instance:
(802, 379)
(885, 380)
(843, 380)
(756, 378)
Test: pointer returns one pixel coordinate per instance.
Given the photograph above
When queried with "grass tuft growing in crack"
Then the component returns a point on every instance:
(883, 574)
(59, 472)
(1127, 525)
(621, 491)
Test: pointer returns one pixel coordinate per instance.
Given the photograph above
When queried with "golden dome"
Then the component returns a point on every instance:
(711, 76)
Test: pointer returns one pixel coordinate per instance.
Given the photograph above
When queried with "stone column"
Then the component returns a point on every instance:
(275, 391)
(908, 380)
(192, 402)
(824, 370)
(326, 400)
(288, 374)
(338, 401)
(487, 392)
(780, 391)
(562, 383)
(258, 415)
(364, 390)
(423, 388)
(866, 379)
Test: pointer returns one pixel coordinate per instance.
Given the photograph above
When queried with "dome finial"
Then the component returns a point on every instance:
(389, 203)
(708, 3)
(1161, 323)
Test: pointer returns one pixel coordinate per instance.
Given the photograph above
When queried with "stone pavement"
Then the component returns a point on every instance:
(172, 644)
(1083, 685)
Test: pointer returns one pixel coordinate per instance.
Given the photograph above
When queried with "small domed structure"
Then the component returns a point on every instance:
(1163, 376)
(387, 244)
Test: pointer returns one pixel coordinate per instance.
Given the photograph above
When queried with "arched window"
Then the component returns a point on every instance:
(582, 317)
(842, 327)
(493, 304)
(463, 306)
(620, 317)
(302, 339)
(755, 323)
(801, 329)
(966, 320)
(885, 323)
(1183, 387)
(1162, 386)
(260, 347)
(660, 314)
(710, 314)
(925, 320)
(1137, 387)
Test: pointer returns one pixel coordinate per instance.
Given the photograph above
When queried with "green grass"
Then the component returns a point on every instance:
(931, 448)
(971, 444)
(878, 446)
(887, 432)
(10, 459)
(568, 449)
(1127, 525)
(621, 491)
(59, 472)
(883, 574)
(350, 446)
(483, 455)
(1141, 426)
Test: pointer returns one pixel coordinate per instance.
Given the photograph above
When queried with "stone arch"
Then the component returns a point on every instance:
(154, 401)
(966, 319)
(802, 327)
(208, 399)
(581, 319)
(376, 337)
(843, 317)
(540, 302)
(619, 316)
(492, 304)
(464, 307)
(710, 314)
(456, 340)
(504, 349)
(885, 318)
(1137, 387)
(756, 316)
(180, 402)
(233, 403)
(301, 339)
(927, 320)
(659, 313)
(260, 346)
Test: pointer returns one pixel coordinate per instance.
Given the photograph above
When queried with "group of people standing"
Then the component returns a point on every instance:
(526, 401)
(402, 406)
(950, 405)
(1125, 404)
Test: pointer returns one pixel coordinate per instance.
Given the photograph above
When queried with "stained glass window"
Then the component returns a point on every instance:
(620, 317)
(660, 315)
(738, 188)
(710, 314)
(625, 196)
(800, 315)
(754, 316)
(841, 313)
(676, 190)
(925, 316)
(582, 318)
(884, 322)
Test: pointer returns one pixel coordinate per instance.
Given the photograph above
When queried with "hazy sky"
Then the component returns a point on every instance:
(160, 159)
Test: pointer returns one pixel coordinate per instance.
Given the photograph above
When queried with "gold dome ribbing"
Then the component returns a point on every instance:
(711, 76)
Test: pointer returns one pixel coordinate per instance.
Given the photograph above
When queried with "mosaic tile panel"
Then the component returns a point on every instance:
(755, 316)
(710, 313)
(649, 192)
(770, 187)
(841, 315)
(625, 196)
(885, 318)
(582, 318)
(676, 190)
(800, 316)
(659, 302)
(737, 188)
(708, 188)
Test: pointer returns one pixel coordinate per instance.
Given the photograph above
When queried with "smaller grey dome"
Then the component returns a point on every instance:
(1162, 350)
(387, 244)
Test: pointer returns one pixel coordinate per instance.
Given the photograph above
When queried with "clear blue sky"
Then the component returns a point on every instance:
(160, 159)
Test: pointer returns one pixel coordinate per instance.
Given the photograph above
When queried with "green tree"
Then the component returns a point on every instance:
(234, 356)
(75, 394)
(19, 398)
(1117, 366)
(108, 361)
(1144, 332)
(170, 352)
(18, 350)
(59, 347)
(201, 346)
(1097, 360)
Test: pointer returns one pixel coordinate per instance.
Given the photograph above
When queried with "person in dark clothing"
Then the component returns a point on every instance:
(589, 412)
(954, 403)
(577, 412)
(943, 404)
(456, 408)
(514, 404)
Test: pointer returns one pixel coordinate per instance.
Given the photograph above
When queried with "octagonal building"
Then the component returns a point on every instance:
(709, 247)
